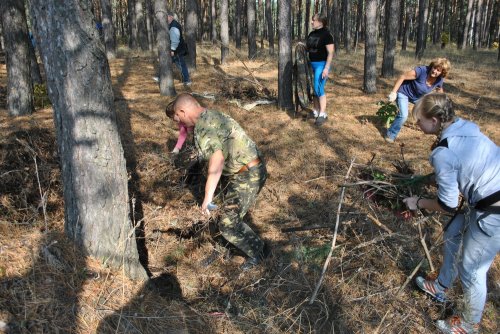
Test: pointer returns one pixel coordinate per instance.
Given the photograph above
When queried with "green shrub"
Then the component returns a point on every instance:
(387, 112)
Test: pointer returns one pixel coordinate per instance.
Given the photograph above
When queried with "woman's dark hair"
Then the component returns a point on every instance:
(169, 110)
(322, 18)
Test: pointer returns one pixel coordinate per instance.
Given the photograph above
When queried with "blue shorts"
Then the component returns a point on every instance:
(319, 83)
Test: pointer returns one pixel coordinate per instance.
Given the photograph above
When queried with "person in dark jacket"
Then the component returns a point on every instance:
(178, 48)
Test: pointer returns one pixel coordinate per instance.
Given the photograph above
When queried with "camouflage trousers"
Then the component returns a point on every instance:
(242, 191)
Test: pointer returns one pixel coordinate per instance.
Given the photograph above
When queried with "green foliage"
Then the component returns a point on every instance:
(445, 38)
(387, 112)
(313, 255)
(41, 96)
(379, 176)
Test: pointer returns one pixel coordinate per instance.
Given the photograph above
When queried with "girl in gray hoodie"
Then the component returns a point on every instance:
(466, 163)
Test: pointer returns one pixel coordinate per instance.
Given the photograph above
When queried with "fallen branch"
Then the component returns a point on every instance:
(427, 254)
(378, 223)
(327, 261)
(304, 228)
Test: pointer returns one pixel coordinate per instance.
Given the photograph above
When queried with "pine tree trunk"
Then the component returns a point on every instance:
(370, 70)
(285, 92)
(237, 33)
(108, 28)
(307, 18)
(191, 26)
(478, 18)
(390, 38)
(422, 22)
(336, 24)
(94, 175)
(163, 45)
(132, 25)
(252, 44)
(213, 21)
(347, 26)
(466, 25)
(270, 30)
(224, 30)
(17, 56)
(142, 36)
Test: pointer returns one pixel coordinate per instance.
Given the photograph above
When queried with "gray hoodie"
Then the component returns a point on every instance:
(469, 165)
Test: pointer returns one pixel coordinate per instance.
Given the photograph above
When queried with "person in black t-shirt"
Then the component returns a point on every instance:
(320, 48)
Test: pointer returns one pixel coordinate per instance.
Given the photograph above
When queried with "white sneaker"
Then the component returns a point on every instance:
(156, 79)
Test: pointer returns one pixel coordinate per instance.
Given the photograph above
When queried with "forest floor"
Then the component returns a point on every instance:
(47, 286)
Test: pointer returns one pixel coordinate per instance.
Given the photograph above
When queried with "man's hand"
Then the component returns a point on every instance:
(411, 203)
(172, 53)
(392, 96)
(205, 206)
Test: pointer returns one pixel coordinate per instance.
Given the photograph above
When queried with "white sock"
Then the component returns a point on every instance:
(323, 114)
(315, 112)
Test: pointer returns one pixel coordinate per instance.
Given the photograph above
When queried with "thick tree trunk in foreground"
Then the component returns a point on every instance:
(17, 55)
(94, 176)
(285, 91)
(421, 31)
(163, 43)
(370, 71)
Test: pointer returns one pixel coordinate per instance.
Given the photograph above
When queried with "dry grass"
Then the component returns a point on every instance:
(47, 286)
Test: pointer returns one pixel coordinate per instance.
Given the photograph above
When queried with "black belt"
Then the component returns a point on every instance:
(486, 204)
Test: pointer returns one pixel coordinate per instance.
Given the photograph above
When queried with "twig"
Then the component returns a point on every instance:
(408, 279)
(379, 224)
(381, 322)
(327, 261)
(427, 254)
(319, 178)
(304, 228)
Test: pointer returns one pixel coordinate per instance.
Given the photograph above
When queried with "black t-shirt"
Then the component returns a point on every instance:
(317, 42)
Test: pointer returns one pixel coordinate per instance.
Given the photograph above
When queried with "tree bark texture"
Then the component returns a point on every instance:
(285, 88)
(252, 43)
(140, 18)
(347, 26)
(167, 87)
(93, 168)
(422, 22)
(270, 29)
(36, 76)
(108, 29)
(213, 21)
(307, 18)
(336, 24)
(190, 32)
(466, 24)
(224, 30)
(478, 19)
(370, 69)
(391, 35)
(132, 25)
(17, 55)
(237, 14)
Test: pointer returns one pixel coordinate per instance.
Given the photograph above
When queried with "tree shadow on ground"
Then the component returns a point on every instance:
(45, 298)
(158, 307)
(129, 148)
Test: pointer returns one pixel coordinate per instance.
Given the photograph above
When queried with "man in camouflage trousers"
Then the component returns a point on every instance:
(230, 152)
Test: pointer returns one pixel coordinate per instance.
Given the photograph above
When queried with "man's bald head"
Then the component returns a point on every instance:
(185, 102)
(185, 108)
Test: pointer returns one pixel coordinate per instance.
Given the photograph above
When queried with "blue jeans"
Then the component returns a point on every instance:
(402, 102)
(181, 64)
(468, 252)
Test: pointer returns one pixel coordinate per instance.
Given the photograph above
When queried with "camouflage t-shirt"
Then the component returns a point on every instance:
(217, 131)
